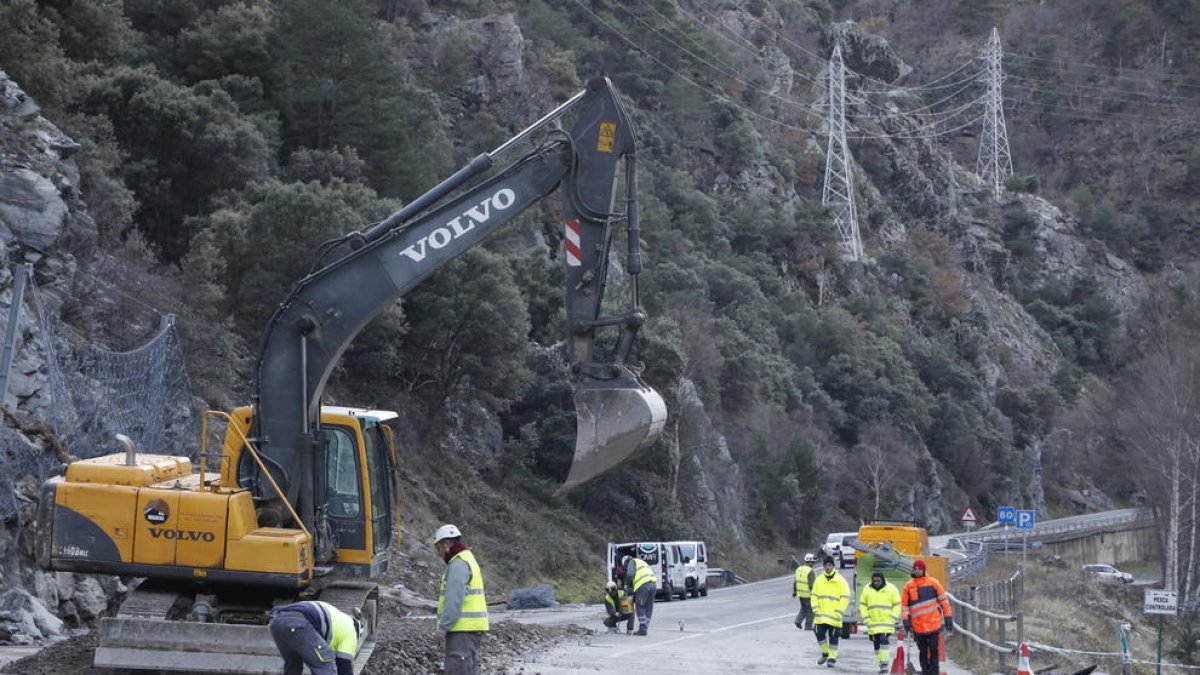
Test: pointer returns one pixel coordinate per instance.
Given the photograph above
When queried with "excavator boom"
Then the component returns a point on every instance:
(302, 489)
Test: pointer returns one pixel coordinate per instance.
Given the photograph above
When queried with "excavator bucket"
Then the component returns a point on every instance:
(617, 420)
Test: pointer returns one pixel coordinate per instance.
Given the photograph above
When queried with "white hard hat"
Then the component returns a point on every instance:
(610, 585)
(446, 531)
(808, 557)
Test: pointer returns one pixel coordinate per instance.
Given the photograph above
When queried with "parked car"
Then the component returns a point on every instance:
(836, 546)
(695, 566)
(1108, 572)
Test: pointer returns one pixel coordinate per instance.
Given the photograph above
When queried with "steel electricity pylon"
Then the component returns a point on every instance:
(838, 194)
(994, 165)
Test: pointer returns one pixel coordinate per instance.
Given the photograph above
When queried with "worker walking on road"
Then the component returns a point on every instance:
(462, 617)
(640, 580)
(619, 606)
(802, 589)
(830, 599)
(318, 634)
(925, 608)
(879, 605)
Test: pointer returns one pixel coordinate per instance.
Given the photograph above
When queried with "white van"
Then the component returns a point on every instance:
(837, 547)
(664, 558)
(695, 567)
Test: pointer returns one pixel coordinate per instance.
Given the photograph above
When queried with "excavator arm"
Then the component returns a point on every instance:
(366, 271)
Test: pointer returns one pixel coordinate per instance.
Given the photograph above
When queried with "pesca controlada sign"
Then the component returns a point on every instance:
(1160, 602)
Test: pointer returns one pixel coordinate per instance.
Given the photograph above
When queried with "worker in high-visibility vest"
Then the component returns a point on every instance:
(619, 606)
(879, 608)
(640, 580)
(462, 613)
(925, 609)
(802, 590)
(830, 599)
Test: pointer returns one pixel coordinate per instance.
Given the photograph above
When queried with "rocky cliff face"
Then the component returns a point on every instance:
(44, 223)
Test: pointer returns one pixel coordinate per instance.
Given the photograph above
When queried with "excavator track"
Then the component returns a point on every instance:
(151, 633)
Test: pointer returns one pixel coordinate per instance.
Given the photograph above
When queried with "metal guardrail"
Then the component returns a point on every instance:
(1064, 528)
(968, 565)
(1072, 525)
(726, 576)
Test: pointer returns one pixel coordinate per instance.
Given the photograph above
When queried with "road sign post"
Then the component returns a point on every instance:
(1160, 602)
(1006, 516)
(1026, 519)
(968, 518)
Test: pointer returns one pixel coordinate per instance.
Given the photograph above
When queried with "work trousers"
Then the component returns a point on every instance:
(880, 642)
(827, 637)
(462, 653)
(612, 621)
(643, 602)
(927, 651)
(299, 644)
(804, 620)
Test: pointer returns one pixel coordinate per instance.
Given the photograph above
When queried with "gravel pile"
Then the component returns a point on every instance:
(409, 647)
(405, 646)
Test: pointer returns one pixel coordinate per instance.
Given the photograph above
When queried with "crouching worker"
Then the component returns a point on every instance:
(619, 607)
(318, 634)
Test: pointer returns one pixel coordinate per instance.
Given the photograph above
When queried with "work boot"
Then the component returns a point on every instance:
(641, 630)
(821, 661)
(831, 663)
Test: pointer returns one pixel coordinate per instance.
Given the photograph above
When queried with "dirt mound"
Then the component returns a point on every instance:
(404, 646)
(73, 655)
(409, 647)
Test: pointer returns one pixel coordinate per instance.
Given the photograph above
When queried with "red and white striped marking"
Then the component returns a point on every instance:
(574, 253)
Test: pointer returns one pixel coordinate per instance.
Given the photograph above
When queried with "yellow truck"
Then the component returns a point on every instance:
(890, 548)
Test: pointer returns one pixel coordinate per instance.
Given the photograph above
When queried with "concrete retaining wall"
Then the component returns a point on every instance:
(1114, 548)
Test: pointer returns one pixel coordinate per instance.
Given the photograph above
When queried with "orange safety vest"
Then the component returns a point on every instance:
(925, 604)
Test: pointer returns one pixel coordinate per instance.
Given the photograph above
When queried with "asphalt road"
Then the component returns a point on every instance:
(742, 629)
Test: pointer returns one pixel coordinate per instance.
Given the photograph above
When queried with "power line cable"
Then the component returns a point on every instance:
(1191, 81)
(1074, 113)
(1073, 92)
(720, 96)
(732, 74)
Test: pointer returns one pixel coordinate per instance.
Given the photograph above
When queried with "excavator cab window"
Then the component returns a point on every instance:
(342, 473)
(379, 473)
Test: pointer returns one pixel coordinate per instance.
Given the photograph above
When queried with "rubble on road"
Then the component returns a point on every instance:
(403, 645)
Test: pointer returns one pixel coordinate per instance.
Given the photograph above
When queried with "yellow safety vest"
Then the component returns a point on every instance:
(474, 616)
(622, 604)
(830, 598)
(879, 609)
(802, 590)
(642, 574)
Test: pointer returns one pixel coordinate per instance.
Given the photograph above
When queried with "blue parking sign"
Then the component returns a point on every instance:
(1006, 515)
(1026, 519)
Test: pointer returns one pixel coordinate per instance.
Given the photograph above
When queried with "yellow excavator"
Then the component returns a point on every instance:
(301, 499)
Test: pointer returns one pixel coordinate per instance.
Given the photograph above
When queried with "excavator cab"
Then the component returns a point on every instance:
(360, 488)
(359, 483)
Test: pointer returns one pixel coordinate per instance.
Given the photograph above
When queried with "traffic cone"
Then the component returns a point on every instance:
(1023, 667)
(898, 662)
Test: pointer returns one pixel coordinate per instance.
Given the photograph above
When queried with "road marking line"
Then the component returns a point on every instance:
(701, 633)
